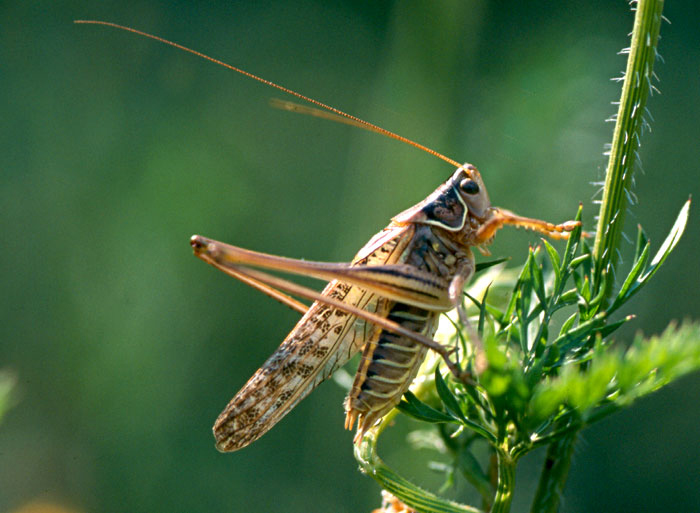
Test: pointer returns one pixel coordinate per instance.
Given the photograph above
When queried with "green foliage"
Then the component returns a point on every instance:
(616, 377)
(542, 385)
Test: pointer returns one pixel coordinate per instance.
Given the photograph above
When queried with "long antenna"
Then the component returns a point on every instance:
(357, 121)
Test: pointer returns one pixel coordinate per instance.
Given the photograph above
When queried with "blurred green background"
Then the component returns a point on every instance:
(115, 149)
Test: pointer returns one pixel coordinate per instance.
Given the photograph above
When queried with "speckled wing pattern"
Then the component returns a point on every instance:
(322, 341)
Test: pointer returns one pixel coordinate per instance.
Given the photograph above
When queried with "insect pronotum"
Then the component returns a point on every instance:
(385, 302)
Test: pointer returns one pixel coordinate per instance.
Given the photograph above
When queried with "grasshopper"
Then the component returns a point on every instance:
(385, 302)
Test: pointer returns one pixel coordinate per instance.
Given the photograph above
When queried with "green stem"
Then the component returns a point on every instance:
(618, 180)
(410, 494)
(506, 483)
(553, 477)
(628, 129)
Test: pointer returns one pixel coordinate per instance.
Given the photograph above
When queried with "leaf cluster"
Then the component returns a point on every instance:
(552, 367)
(543, 383)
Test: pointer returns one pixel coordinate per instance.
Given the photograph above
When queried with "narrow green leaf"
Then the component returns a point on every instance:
(568, 323)
(533, 375)
(578, 281)
(551, 356)
(596, 301)
(522, 304)
(482, 312)
(448, 399)
(670, 243)
(610, 328)
(641, 243)
(588, 263)
(572, 242)
(481, 266)
(567, 341)
(637, 269)
(541, 341)
(585, 289)
(538, 282)
(451, 404)
(555, 261)
(479, 401)
(569, 297)
(414, 407)
(491, 310)
(515, 294)
(579, 260)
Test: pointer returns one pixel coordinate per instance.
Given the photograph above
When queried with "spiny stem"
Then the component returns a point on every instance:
(623, 154)
(628, 129)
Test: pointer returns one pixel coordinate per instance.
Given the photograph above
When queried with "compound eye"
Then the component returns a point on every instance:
(469, 186)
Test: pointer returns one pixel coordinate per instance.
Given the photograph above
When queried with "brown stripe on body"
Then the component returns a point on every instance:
(389, 364)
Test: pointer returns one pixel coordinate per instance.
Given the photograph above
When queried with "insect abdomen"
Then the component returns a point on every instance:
(389, 364)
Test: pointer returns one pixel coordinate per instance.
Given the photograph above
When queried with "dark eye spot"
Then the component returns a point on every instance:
(469, 186)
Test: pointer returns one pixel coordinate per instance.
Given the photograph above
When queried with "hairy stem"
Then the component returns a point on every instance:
(629, 127)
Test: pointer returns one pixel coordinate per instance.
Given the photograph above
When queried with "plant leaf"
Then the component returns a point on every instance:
(637, 269)
(641, 242)
(555, 261)
(448, 399)
(414, 407)
(633, 284)
(481, 266)
(572, 242)
(670, 243)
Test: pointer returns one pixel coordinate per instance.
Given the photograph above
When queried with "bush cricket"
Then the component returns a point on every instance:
(385, 302)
